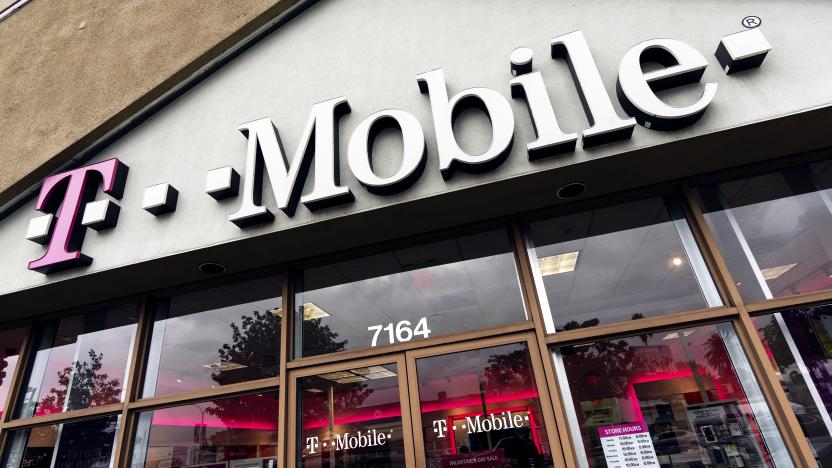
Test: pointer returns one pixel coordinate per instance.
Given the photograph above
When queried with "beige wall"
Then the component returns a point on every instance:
(71, 70)
(5, 4)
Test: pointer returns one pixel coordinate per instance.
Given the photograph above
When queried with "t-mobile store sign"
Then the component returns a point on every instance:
(66, 198)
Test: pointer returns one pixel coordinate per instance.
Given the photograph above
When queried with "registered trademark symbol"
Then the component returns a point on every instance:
(751, 21)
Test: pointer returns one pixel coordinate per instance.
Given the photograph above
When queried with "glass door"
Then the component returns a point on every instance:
(353, 414)
(481, 404)
(474, 404)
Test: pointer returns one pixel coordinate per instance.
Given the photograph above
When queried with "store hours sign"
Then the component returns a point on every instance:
(67, 199)
(628, 446)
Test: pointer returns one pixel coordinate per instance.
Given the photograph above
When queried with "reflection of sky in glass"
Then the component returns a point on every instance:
(72, 347)
(470, 293)
(784, 221)
(790, 230)
(625, 266)
(191, 342)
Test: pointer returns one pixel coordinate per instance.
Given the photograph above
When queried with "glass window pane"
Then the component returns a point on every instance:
(446, 287)
(87, 443)
(799, 344)
(351, 418)
(773, 230)
(481, 408)
(684, 397)
(617, 263)
(10, 342)
(231, 432)
(81, 361)
(215, 337)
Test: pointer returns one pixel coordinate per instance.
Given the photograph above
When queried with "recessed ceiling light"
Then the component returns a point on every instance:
(572, 190)
(676, 261)
(776, 272)
(314, 390)
(211, 268)
(561, 263)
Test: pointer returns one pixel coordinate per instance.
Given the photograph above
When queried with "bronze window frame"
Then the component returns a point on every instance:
(532, 331)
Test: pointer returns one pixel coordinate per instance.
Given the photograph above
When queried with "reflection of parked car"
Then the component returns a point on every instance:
(674, 441)
(798, 408)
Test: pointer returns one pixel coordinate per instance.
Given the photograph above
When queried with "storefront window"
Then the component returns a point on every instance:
(681, 398)
(618, 263)
(799, 344)
(81, 361)
(215, 337)
(238, 432)
(351, 418)
(458, 285)
(481, 408)
(10, 342)
(774, 230)
(88, 444)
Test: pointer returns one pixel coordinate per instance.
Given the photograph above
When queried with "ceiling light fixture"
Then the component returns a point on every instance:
(675, 335)
(360, 374)
(561, 263)
(224, 366)
(776, 272)
(310, 312)
(676, 261)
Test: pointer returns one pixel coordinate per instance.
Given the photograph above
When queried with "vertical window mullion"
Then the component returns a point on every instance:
(286, 337)
(135, 372)
(531, 284)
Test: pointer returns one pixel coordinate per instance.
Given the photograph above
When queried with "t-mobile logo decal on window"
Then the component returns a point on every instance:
(494, 422)
(372, 438)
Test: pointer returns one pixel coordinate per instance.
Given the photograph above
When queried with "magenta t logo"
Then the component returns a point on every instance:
(78, 187)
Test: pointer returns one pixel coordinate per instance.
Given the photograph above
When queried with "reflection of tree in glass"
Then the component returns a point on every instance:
(607, 367)
(255, 345)
(508, 372)
(574, 325)
(89, 387)
(346, 397)
(320, 339)
(716, 356)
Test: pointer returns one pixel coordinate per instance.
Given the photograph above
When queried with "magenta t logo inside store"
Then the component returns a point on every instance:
(68, 194)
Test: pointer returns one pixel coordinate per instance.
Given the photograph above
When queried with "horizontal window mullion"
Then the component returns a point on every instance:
(645, 325)
(60, 418)
(805, 299)
(203, 394)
